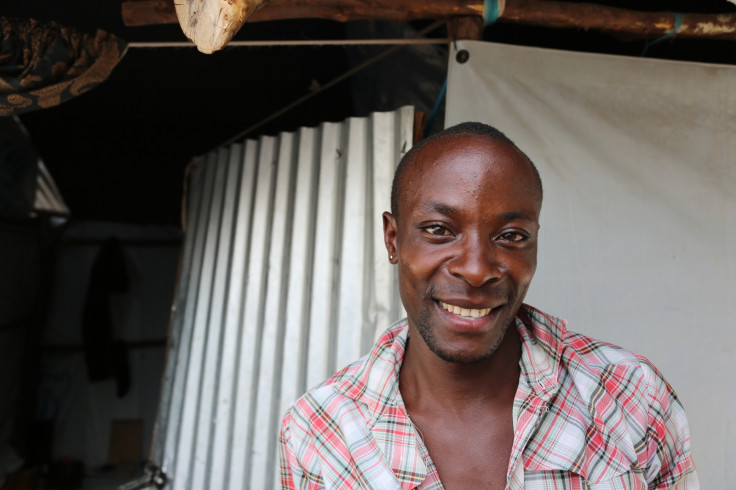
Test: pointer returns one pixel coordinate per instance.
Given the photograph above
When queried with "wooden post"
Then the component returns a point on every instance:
(420, 119)
(465, 28)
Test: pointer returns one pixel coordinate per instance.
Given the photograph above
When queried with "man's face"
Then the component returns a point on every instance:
(465, 240)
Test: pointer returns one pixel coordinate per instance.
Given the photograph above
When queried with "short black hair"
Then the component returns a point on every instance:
(466, 128)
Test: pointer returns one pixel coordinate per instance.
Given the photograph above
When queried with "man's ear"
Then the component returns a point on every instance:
(390, 232)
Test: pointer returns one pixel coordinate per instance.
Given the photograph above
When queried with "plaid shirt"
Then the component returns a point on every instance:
(586, 415)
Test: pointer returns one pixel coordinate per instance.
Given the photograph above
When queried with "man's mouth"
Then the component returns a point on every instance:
(465, 312)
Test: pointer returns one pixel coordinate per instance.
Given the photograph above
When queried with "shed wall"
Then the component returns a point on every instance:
(284, 279)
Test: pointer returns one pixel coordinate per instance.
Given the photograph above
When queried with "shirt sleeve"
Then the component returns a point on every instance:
(669, 462)
(290, 469)
(293, 473)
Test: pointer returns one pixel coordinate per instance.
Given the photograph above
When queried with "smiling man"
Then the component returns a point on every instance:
(476, 389)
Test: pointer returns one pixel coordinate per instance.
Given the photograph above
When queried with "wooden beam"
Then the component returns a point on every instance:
(148, 12)
(138, 12)
(631, 24)
(544, 13)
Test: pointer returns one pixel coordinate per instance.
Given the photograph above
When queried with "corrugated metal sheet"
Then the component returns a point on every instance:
(48, 198)
(284, 279)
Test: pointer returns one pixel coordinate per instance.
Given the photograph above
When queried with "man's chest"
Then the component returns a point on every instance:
(470, 451)
(542, 450)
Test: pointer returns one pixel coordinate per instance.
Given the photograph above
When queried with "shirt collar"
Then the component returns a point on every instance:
(375, 383)
(542, 337)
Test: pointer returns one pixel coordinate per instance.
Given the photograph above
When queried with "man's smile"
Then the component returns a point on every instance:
(465, 312)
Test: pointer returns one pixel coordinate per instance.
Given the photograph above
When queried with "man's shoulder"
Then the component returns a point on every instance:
(580, 348)
(598, 366)
(559, 342)
(612, 404)
(362, 381)
(591, 362)
(385, 355)
(324, 399)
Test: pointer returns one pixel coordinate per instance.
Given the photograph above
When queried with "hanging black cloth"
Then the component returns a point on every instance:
(106, 357)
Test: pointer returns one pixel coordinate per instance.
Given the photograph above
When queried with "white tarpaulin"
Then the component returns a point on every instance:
(638, 237)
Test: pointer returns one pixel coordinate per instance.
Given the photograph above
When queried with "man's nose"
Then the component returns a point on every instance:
(476, 261)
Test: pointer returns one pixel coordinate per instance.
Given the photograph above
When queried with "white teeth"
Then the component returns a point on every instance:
(466, 312)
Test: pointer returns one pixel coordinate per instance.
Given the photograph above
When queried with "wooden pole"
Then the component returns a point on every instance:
(145, 12)
(544, 13)
(626, 23)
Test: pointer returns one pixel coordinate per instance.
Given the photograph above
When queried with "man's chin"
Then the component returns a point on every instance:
(465, 358)
(454, 351)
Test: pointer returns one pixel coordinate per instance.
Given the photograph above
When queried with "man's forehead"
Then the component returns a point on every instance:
(471, 154)
(457, 144)
(465, 162)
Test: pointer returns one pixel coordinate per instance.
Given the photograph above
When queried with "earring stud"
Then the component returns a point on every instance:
(390, 257)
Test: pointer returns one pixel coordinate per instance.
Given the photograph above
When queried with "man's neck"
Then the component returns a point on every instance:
(427, 380)
(463, 412)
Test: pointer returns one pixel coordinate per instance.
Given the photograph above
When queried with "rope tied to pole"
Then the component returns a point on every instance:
(492, 10)
(676, 29)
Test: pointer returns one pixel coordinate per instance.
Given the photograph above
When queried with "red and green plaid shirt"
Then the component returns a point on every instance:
(586, 414)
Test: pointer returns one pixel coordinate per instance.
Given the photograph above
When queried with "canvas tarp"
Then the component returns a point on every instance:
(638, 236)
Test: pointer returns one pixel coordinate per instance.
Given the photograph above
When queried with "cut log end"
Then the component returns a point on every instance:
(211, 24)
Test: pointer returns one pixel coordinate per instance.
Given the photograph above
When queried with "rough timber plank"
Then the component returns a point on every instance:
(546, 13)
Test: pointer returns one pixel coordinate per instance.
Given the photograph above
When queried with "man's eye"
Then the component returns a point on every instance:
(437, 230)
(513, 236)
